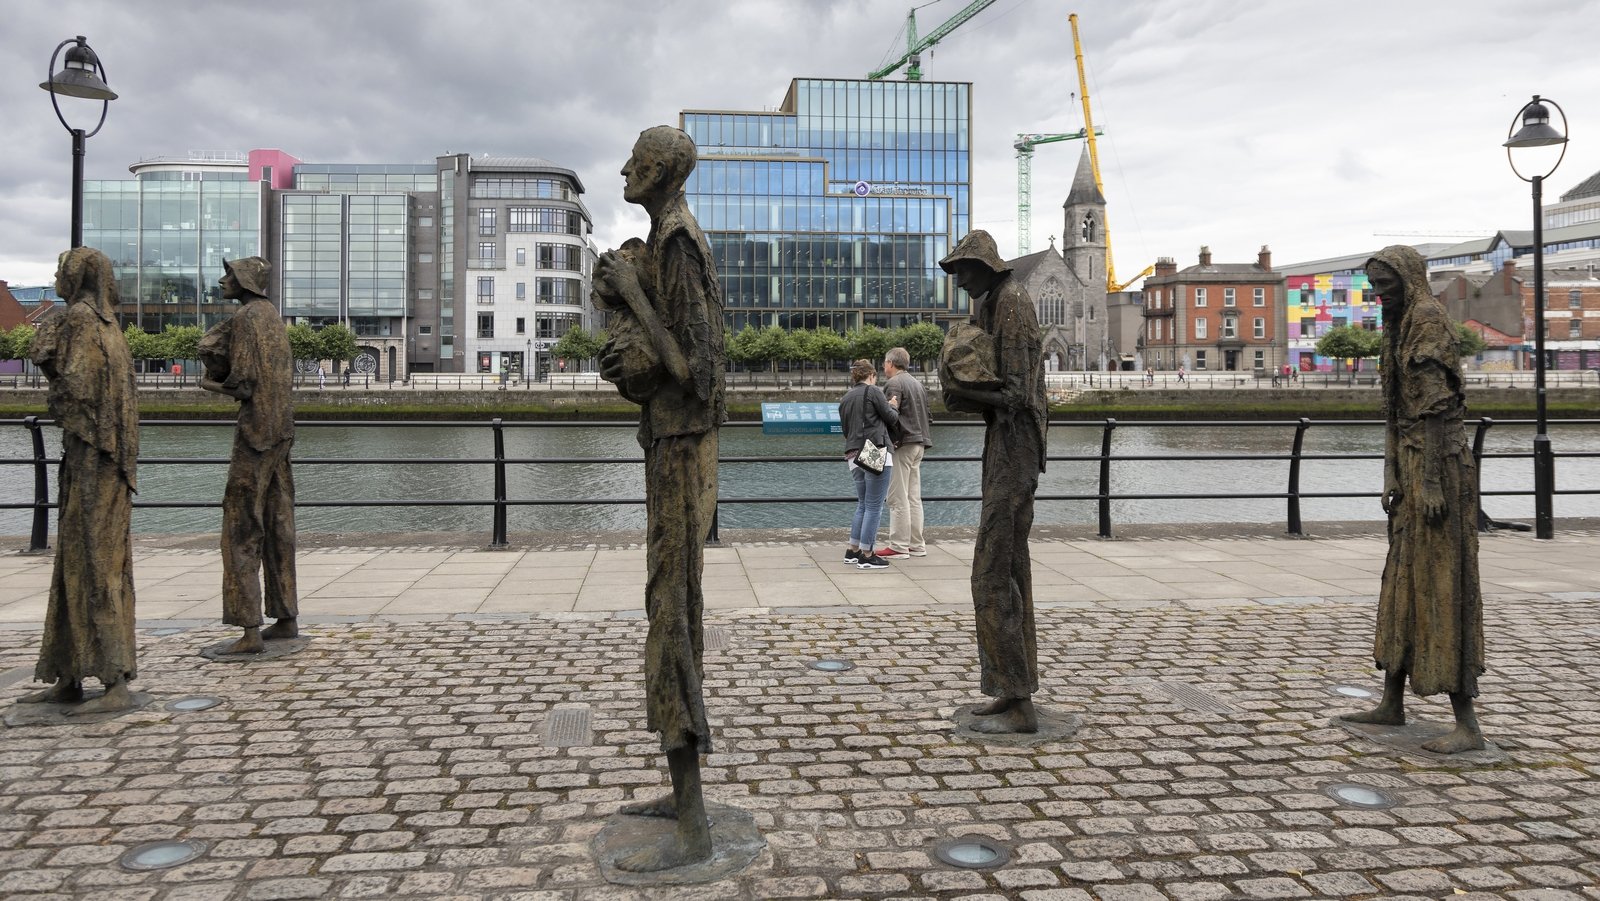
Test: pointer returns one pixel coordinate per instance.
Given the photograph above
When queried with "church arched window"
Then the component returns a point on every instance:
(1052, 303)
(1090, 229)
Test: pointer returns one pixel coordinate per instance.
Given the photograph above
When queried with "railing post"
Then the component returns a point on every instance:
(1485, 524)
(1105, 478)
(499, 539)
(40, 540)
(1295, 527)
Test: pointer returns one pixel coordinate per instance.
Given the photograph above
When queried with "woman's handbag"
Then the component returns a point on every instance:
(871, 457)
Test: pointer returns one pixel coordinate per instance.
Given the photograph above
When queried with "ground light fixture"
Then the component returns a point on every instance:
(160, 855)
(832, 665)
(191, 704)
(1351, 691)
(1354, 794)
(82, 76)
(1536, 131)
(972, 852)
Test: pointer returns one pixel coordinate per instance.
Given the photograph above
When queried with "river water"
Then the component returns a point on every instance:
(359, 473)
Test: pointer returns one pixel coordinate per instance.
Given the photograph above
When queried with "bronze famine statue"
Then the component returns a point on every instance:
(668, 358)
(247, 357)
(1430, 608)
(88, 628)
(999, 371)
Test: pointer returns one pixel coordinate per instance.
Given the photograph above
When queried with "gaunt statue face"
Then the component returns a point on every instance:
(1385, 281)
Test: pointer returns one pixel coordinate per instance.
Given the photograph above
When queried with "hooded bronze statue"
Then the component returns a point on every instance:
(1004, 350)
(1430, 607)
(88, 629)
(247, 357)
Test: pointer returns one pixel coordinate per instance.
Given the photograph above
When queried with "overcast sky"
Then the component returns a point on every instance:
(1319, 127)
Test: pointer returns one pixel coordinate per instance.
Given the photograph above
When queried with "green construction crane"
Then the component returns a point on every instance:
(914, 47)
(1024, 145)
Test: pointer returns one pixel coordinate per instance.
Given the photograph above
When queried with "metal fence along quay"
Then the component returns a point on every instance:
(498, 501)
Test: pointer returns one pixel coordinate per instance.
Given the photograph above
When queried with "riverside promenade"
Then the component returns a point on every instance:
(464, 720)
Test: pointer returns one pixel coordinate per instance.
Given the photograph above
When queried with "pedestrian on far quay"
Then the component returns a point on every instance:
(910, 401)
(865, 415)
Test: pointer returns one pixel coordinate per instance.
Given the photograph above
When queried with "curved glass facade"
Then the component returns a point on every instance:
(834, 210)
(167, 239)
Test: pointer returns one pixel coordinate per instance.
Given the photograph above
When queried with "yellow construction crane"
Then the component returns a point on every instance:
(1112, 285)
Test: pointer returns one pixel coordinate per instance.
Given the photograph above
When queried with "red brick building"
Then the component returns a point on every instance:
(1571, 318)
(1215, 317)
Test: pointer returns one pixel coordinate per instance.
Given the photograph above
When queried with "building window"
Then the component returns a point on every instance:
(1308, 326)
(557, 290)
(424, 329)
(1199, 297)
(522, 290)
(1260, 326)
(540, 219)
(1230, 327)
(1199, 329)
(1228, 298)
(522, 326)
(1575, 298)
(424, 257)
(1157, 334)
(486, 250)
(522, 256)
(485, 325)
(424, 293)
(1088, 230)
(1199, 359)
(1261, 359)
(485, 290)
(1261, 297)
(559, 256)
(486, 221)
(424, 222)
(1575, 328)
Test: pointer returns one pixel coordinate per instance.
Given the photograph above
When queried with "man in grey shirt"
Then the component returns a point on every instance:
(905, 489)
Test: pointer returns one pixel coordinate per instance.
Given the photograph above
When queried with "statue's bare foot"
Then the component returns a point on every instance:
(1010, 721)
(659, 807)
(667, 854)
(1462, 738)
(1381, 715)
(117, 697)
(65, 691)
(1000, 705)
(288, 627)
(249, 643)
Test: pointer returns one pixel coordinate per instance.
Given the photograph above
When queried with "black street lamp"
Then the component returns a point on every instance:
(81, 75)
(1536, 131)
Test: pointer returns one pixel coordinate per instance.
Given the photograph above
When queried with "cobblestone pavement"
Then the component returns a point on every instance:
(414, 755)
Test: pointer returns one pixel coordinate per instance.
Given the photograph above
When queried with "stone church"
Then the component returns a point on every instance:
(1068, 286)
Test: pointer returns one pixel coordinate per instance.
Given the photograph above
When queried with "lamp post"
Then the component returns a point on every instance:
(1536, 131)
(81, 75)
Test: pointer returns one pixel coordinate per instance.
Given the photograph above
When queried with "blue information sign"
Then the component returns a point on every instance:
(800, 419)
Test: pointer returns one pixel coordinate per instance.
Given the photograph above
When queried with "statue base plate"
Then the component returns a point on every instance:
(1409, 738)
(20, 714)
(1054, 725)
(734, 844)
(282, 647)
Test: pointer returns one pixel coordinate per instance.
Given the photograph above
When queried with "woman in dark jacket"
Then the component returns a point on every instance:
(864, 413)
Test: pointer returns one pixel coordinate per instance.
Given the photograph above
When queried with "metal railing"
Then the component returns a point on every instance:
(500, 502)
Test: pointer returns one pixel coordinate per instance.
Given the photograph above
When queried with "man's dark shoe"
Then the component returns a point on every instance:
(873, 561)
(851, 555)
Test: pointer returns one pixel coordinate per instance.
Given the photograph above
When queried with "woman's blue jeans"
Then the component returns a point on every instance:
(871, 487)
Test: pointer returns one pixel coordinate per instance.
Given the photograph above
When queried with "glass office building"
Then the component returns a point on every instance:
(834, 210)
(167, 232)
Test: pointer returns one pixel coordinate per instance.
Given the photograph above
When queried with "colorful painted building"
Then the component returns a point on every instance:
(1319, 302)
